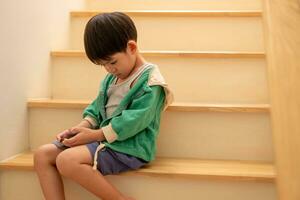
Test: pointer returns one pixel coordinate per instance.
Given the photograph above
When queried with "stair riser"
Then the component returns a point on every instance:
(175, 5)
(191, 79)
(237, 136)
(141, 187)
(188, 33)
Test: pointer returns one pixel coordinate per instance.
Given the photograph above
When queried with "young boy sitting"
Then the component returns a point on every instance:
(119, 128)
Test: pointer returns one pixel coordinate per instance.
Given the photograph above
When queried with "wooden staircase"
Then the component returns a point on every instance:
(215, 139)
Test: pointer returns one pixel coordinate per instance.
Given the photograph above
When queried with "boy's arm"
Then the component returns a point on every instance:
(91, 114)
(132, 120)
(85, 123)
(137, 117)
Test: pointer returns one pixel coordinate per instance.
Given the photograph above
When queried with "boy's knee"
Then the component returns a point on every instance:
(40, 156)
(44, 155)
(65, 164)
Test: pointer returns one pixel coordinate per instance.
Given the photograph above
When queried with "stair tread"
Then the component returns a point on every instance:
(188, 107)
(172, 13)
(217, 169)
(198, 54)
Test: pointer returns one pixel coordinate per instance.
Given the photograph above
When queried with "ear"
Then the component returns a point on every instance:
(131, 47)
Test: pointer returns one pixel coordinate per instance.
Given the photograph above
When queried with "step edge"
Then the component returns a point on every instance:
(199, 54)
(175, 13)
(183, 107)
(268, 176)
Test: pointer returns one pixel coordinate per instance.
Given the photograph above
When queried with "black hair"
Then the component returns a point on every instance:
(106, 34)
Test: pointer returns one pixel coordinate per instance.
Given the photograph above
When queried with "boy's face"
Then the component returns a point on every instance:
(121, 64)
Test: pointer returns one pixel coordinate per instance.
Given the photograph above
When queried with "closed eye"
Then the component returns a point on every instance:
(113, 62)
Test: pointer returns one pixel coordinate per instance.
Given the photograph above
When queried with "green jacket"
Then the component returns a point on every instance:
(134, 126)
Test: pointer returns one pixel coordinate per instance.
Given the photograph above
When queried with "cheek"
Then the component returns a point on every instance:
(124, 67)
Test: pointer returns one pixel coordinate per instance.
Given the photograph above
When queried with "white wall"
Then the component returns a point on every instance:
(29, 31)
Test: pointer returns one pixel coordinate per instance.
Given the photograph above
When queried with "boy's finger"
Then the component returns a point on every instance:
(70, 141)
(59, 137)
(74, 130)
(67, 142)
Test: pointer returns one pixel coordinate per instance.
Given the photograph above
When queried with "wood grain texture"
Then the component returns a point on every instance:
(190, 168)
(177, 13)
(282, 20)
(191, 54)
(183, 107)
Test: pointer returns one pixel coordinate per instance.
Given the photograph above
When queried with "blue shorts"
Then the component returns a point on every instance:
(110, 161)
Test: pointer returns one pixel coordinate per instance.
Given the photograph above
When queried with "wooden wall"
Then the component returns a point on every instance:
(282, 36)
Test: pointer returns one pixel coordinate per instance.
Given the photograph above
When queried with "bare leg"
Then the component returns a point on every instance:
(49, 177)
(76, 164)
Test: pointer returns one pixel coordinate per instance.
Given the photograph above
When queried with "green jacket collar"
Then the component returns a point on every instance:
(139, 88)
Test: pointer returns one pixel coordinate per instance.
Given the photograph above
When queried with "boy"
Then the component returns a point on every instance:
(119, 128)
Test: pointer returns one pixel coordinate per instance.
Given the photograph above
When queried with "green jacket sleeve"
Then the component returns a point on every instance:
(93, 111)
(137, 116)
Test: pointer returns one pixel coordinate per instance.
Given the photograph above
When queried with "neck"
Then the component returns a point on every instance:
(140, 61)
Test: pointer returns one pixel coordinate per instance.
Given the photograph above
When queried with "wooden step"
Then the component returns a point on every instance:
(217, 135)
(192, 168)
(248, 71)
(177, 13)
(190, 54)
(230, 5)
(186, 30)
(182, 107)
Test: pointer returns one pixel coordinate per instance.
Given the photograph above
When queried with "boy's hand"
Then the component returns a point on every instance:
(83, 136)
(63, 135)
